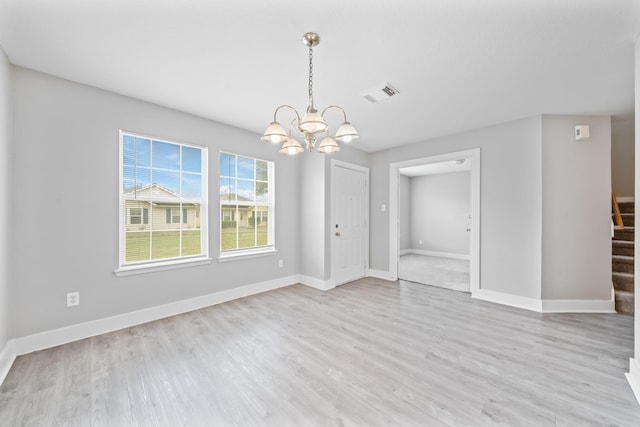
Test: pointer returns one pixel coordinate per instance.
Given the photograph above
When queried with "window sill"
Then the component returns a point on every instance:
(238, 255)
(161, 266)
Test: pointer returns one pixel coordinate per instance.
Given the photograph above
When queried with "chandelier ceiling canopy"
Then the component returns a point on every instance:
(312, 124)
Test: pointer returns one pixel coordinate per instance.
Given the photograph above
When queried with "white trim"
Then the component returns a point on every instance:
(405, 252)
(546, 306)
(323, 285)
(578, 306)
(253, 253)
(161, 266)
(508, 299)
(7, 357)
(634, 377)
(436, 254)
(55, 337)
(381, 274)
(394, 241)
(626, 199)
(365, 170)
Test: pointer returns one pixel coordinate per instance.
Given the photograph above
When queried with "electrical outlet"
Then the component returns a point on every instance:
(281, 263)
(73, 298)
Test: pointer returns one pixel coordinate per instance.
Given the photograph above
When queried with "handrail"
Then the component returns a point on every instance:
(619, 225)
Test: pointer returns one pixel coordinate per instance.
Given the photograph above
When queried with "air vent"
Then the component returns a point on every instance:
(379, 92)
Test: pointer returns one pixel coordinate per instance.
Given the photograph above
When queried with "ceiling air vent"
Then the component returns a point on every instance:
(380, 92)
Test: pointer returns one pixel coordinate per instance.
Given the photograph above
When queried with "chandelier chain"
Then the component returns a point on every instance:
(311, 76)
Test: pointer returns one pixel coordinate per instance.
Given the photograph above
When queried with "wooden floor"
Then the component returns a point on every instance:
(367, 353)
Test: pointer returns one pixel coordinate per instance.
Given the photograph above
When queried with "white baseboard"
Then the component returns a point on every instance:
(466, 257)
(508, 299)
(634, 378)
(578, 306)
(7, 357)
(323, 285)
(55, 337)
(380, 274)
(546, 306)
(405, 252)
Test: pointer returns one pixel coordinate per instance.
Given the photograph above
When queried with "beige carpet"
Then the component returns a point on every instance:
(436, 271)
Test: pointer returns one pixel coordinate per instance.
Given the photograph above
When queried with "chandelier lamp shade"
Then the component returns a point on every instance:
(312, 125)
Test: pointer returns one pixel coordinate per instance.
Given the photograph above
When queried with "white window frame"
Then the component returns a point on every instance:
(270, 248)
(127, 268)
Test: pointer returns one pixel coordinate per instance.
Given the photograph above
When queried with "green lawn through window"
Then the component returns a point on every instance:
(246, 237)
(166, 244)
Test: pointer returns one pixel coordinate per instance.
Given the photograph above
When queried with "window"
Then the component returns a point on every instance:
(162, 197)
(138, 216)
(246, 203)
(173, 215)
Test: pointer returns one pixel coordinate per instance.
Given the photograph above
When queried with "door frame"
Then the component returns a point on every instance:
(334, 164)
(394, 217)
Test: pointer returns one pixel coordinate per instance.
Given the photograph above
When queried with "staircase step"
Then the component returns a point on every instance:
(624, 302)
(622, 247)
(626, 234)
(622, 264)
(628, 219)
(626, 207)
(622, 281)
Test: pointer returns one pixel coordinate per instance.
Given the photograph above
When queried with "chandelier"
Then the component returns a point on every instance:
(313, 124)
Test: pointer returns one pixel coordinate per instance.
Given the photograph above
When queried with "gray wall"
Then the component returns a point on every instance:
(576, 209)
(312, 214)
(440, 210)
(510, 202)
(622, 157)
(5, 196)
(404, 211)
(66, 198)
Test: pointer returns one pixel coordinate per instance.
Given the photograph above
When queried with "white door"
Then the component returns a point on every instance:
(349, 226)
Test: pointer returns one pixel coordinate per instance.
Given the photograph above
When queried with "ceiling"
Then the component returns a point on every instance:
(458, 64)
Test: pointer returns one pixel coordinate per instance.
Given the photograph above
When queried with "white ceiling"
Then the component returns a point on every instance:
(458, 64)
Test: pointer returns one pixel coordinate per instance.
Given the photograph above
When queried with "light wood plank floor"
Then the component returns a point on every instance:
(367, 353)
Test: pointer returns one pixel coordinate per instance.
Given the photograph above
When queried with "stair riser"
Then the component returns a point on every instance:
(622, 283)
(624, 305)
(621, 267)
(628, 220)
(622, 250)
(626, 235)
(626, 207)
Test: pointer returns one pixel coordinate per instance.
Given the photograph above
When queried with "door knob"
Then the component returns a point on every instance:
(338, 233)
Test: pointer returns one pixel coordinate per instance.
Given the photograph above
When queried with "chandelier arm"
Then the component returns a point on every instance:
(344, 114)
(275, 113)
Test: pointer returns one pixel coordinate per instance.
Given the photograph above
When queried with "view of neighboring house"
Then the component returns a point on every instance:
(234, 212)
(144, 215)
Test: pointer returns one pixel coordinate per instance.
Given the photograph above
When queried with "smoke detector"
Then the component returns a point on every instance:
(379, 92)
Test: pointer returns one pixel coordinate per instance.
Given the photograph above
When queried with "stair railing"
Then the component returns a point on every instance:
(617, 217)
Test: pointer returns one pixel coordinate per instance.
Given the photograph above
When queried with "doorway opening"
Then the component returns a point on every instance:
(434, 215)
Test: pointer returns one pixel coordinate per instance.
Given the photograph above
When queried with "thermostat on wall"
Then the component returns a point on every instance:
(582, 132)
